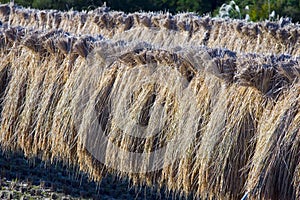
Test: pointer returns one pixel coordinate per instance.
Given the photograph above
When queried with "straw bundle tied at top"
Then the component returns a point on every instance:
(164, 29)
(238, 114)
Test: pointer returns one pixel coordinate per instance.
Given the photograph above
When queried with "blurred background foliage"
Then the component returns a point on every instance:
(254, 10)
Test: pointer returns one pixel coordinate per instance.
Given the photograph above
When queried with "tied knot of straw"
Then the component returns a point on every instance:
(64, 45)
(43, 17)
(33, 43)
(83, 47)
(182, 26)
(14, 34)
(57, 19)
(145, 20)
(168, 23)
(5, 11)
(271, 27)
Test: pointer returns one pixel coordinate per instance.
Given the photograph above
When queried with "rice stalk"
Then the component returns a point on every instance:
(181, 29)
(210, 123)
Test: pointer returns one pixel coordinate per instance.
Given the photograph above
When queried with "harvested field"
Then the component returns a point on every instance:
(203, 107)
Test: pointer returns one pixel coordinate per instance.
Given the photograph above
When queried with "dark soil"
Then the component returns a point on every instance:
(22, 178)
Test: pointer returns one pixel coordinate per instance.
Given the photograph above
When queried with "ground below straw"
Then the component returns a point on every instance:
(30, 179)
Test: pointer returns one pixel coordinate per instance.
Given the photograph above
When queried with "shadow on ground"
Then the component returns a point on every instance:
(23, 178)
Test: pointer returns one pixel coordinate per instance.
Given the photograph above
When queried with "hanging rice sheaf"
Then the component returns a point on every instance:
(153, 103)
(164, 29)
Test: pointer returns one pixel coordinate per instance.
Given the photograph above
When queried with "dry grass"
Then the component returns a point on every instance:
(164, 29)
(236, 116)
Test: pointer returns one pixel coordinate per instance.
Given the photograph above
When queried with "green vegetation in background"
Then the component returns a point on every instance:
(199, 6)
(261, 9)
(258, 9)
